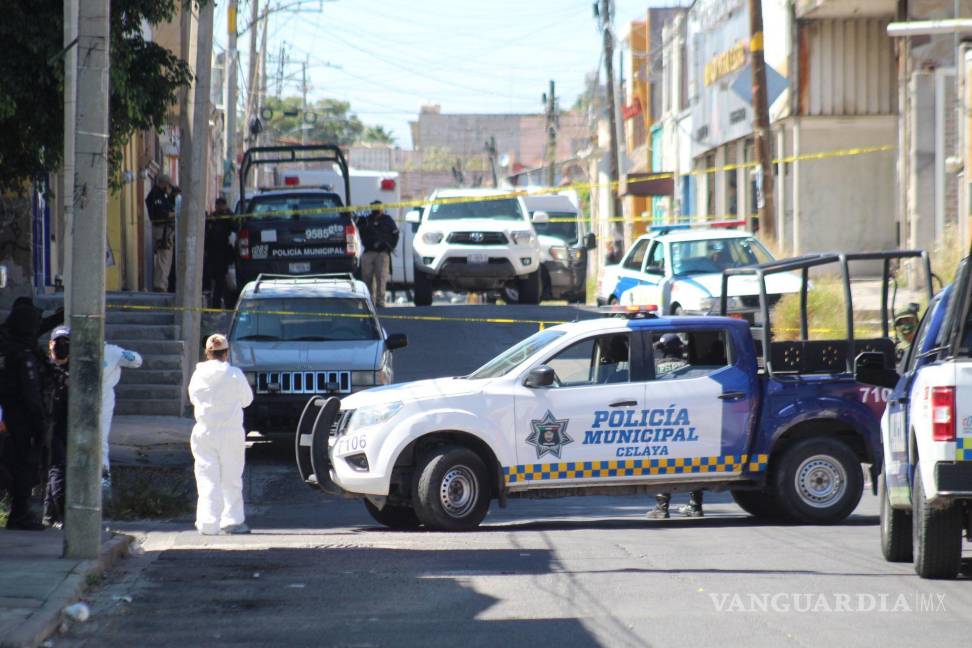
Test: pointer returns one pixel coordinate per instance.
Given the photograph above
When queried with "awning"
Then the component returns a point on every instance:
(660, 183)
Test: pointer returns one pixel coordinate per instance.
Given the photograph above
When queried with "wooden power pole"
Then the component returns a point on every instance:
(607, 28)
(766, 199)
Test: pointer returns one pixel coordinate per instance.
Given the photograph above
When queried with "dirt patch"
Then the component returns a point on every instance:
(150, 492)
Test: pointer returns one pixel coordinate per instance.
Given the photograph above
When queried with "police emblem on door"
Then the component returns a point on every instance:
(549, 435)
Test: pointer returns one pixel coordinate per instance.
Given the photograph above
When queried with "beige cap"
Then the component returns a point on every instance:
(217, 342)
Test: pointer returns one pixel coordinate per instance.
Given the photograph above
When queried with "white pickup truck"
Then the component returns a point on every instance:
(925, 488)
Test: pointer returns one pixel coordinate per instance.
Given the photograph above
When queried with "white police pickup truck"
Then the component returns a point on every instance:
(926, 483)
(596, 407)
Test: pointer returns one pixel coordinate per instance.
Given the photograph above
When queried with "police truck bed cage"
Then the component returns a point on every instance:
(296, 279)
(822, 356)
(298, 153)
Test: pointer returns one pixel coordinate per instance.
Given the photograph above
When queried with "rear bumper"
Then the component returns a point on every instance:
(954, 479)
(247, 271)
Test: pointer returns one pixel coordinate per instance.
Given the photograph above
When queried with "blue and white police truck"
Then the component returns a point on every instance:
(596, 407)
(925, 487)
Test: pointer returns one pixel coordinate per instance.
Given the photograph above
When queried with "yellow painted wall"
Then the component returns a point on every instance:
(113, 272)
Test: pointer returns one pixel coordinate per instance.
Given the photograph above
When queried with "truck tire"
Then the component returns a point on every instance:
(895, 527)
(936, 534)
(393, 517)
(451, 489)
(760, 504)
(422, 294)
(819, 481)
(530, 288)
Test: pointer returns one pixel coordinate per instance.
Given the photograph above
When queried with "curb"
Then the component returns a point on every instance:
(46, 620)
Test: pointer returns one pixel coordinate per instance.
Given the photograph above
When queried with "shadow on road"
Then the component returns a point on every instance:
(333, 596)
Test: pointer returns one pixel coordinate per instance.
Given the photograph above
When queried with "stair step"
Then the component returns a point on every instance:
(142, 331)
(139, 392)
(153, 362)
(143, 376)
(153, 347)
(140, 299)
(113, 317)
(149, 407)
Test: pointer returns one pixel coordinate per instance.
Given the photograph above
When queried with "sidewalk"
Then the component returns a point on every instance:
(36, 584)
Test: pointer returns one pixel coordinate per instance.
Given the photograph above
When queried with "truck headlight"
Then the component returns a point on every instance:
(363, 379)
(713, 304)
(374, 415)
(523, 237)
(251, 378)
(559, 253)
(432, 238)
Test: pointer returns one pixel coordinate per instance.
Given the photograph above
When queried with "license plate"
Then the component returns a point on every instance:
(297, 268)
(477, 258)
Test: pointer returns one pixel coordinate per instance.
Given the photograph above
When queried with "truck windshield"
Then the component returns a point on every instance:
(715, 255)
(304, 319)
(516, 354)
(498, 209)
(562, 225)
(304, 205)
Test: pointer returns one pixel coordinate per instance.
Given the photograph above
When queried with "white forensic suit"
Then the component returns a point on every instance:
(219, 392)
(115, 359)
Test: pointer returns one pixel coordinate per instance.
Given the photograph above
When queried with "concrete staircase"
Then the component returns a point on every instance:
(156, 388)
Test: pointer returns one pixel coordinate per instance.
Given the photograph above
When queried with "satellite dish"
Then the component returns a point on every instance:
(504, 160)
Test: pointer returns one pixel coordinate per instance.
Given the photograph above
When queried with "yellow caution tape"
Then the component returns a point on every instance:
(577, 186)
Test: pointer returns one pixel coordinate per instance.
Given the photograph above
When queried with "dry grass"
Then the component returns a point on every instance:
(946, 255)
(825, 312)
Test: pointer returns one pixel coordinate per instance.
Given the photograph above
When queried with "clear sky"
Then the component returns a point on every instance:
(395, 55)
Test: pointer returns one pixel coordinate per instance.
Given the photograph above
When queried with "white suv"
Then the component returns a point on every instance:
(476, 240)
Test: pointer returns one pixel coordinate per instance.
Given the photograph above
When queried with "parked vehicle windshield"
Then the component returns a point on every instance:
(304, 319)
(715, 255)
(285, 205)
(562, 225)
(498, 209)
(516, 354)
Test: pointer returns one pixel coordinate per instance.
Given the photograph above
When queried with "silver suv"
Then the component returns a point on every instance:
(296, 337)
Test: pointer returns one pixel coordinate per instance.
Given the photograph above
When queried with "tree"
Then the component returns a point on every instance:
(377, 135)
(145, 79)
(327, 121)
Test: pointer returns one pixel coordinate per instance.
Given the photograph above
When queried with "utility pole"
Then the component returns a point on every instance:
(766, 199)
(607, 27)
(70, 115)
(232, 56)
(82, 515)
(251, 108)
(553, 123)
(191, 225)
(303, 103)
(490, 147)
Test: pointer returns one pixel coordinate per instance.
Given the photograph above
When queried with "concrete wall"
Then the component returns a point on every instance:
(845, 203)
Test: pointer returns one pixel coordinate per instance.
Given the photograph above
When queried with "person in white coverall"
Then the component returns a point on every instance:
(219, 392)
(115, 359)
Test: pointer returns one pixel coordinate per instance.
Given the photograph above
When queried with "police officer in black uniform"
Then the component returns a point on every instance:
(57, 401)
(379, 237)
(21, 396)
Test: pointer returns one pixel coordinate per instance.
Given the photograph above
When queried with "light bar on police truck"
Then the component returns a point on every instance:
(721, 224)
(631, 311)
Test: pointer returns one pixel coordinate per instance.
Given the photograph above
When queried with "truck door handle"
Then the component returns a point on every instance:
(624, 404)
(732, 396)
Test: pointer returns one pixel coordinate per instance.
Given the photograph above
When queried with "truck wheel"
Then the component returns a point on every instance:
(936, 534)
(451, 490)
(895, 527)
(423, 289)
(759, 503)
(819, 481)
(530, 288)
(393, 517)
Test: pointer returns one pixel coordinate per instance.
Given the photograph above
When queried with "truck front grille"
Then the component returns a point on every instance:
(478, 238)
(304, 382)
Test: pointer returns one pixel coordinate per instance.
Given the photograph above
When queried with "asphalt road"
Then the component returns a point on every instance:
(570, 572)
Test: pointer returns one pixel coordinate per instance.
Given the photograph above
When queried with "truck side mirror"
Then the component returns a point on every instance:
(540, 217)
(413, 216)
(396, 341)
(590, 241)
(870, 369)
(540, 377)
